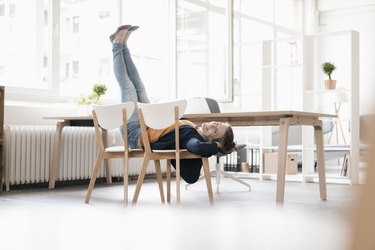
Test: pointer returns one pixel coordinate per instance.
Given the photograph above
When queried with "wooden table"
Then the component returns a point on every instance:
(283, 119)
(74, 121)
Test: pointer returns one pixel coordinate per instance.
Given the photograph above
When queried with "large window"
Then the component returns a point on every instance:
(183, 48)
(24, 44)
(85, 56)
(57, 50)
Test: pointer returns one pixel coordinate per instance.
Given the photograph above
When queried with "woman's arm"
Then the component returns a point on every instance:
(202, 148)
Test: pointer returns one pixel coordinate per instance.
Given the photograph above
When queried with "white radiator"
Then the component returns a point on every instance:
(28, 152)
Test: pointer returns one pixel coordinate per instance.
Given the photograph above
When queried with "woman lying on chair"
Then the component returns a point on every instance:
(205, 140)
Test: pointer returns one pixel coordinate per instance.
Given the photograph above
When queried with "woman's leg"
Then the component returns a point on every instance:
(127, 88)
(134, 76)
(128, 92)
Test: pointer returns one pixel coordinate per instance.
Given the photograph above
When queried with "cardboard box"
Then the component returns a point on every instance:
(270, 163)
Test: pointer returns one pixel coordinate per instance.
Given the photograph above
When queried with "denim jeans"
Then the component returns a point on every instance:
(131, 87)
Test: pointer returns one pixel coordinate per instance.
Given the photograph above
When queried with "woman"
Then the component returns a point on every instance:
(205, 140)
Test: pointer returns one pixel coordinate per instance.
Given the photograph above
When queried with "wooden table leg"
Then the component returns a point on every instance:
(281, 168)
(55, 154)
(318, 131)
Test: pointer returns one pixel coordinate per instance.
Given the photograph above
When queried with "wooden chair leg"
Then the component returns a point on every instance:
(126, 180)
(178, 179)
(168, 165)
(206, 170)
(94, 174)
(140, 179)
(159, 179)
(1, 180)
(1, 169)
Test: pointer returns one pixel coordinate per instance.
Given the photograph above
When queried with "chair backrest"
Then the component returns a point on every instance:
(213, 105)
(202, 105)
(110, 116)
(161, 115)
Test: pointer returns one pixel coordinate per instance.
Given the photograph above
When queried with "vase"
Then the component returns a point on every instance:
(330, 84)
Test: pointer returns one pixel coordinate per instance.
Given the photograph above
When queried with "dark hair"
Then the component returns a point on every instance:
(226, 142)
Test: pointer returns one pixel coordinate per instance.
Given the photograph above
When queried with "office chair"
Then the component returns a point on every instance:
(209, 105)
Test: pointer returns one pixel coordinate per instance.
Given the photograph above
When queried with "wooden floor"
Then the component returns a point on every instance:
(36, 218)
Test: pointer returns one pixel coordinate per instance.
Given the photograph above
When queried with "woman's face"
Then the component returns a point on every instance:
(212, 131)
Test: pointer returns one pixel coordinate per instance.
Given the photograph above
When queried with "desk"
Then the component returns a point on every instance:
(74, 121)
(283, 119)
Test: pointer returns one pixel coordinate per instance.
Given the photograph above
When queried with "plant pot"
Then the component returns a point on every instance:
(330, 84)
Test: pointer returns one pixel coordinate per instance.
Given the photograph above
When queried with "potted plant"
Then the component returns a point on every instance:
(94, 97)
(86, 100)
(328, 68)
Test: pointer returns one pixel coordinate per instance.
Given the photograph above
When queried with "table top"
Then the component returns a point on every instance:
(68, 118)
(225, 115)
(278, 114)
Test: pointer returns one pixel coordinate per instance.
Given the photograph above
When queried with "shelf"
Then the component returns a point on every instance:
(326, 91)
(330, 178)
(327, 147)
(282, 66)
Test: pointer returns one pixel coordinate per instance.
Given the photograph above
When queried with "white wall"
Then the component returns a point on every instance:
(356, 15)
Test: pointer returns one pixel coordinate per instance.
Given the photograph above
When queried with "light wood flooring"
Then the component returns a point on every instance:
(38, 218)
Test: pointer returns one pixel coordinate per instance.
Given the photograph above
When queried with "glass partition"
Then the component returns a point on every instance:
(202, 54)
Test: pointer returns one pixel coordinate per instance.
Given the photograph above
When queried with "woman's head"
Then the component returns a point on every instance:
(226, 142)
(219, 132)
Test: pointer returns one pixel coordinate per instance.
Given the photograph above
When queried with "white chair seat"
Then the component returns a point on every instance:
(121, 149)
(167, 150)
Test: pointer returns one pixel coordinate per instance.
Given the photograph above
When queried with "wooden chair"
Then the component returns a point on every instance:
(160, 116)
(107, 117)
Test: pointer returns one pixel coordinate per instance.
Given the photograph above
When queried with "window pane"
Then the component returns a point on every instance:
(150, 45)
(85, 49)
(262, 62)
(288, 17)
(202, 40)
(24, 43)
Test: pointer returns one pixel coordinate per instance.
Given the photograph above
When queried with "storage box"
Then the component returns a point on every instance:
(270, 163)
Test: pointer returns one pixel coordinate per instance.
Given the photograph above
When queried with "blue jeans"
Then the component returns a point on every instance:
(131, 86)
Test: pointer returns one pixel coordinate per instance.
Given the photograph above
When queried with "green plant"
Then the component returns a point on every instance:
(93, 98)
(328, 68)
